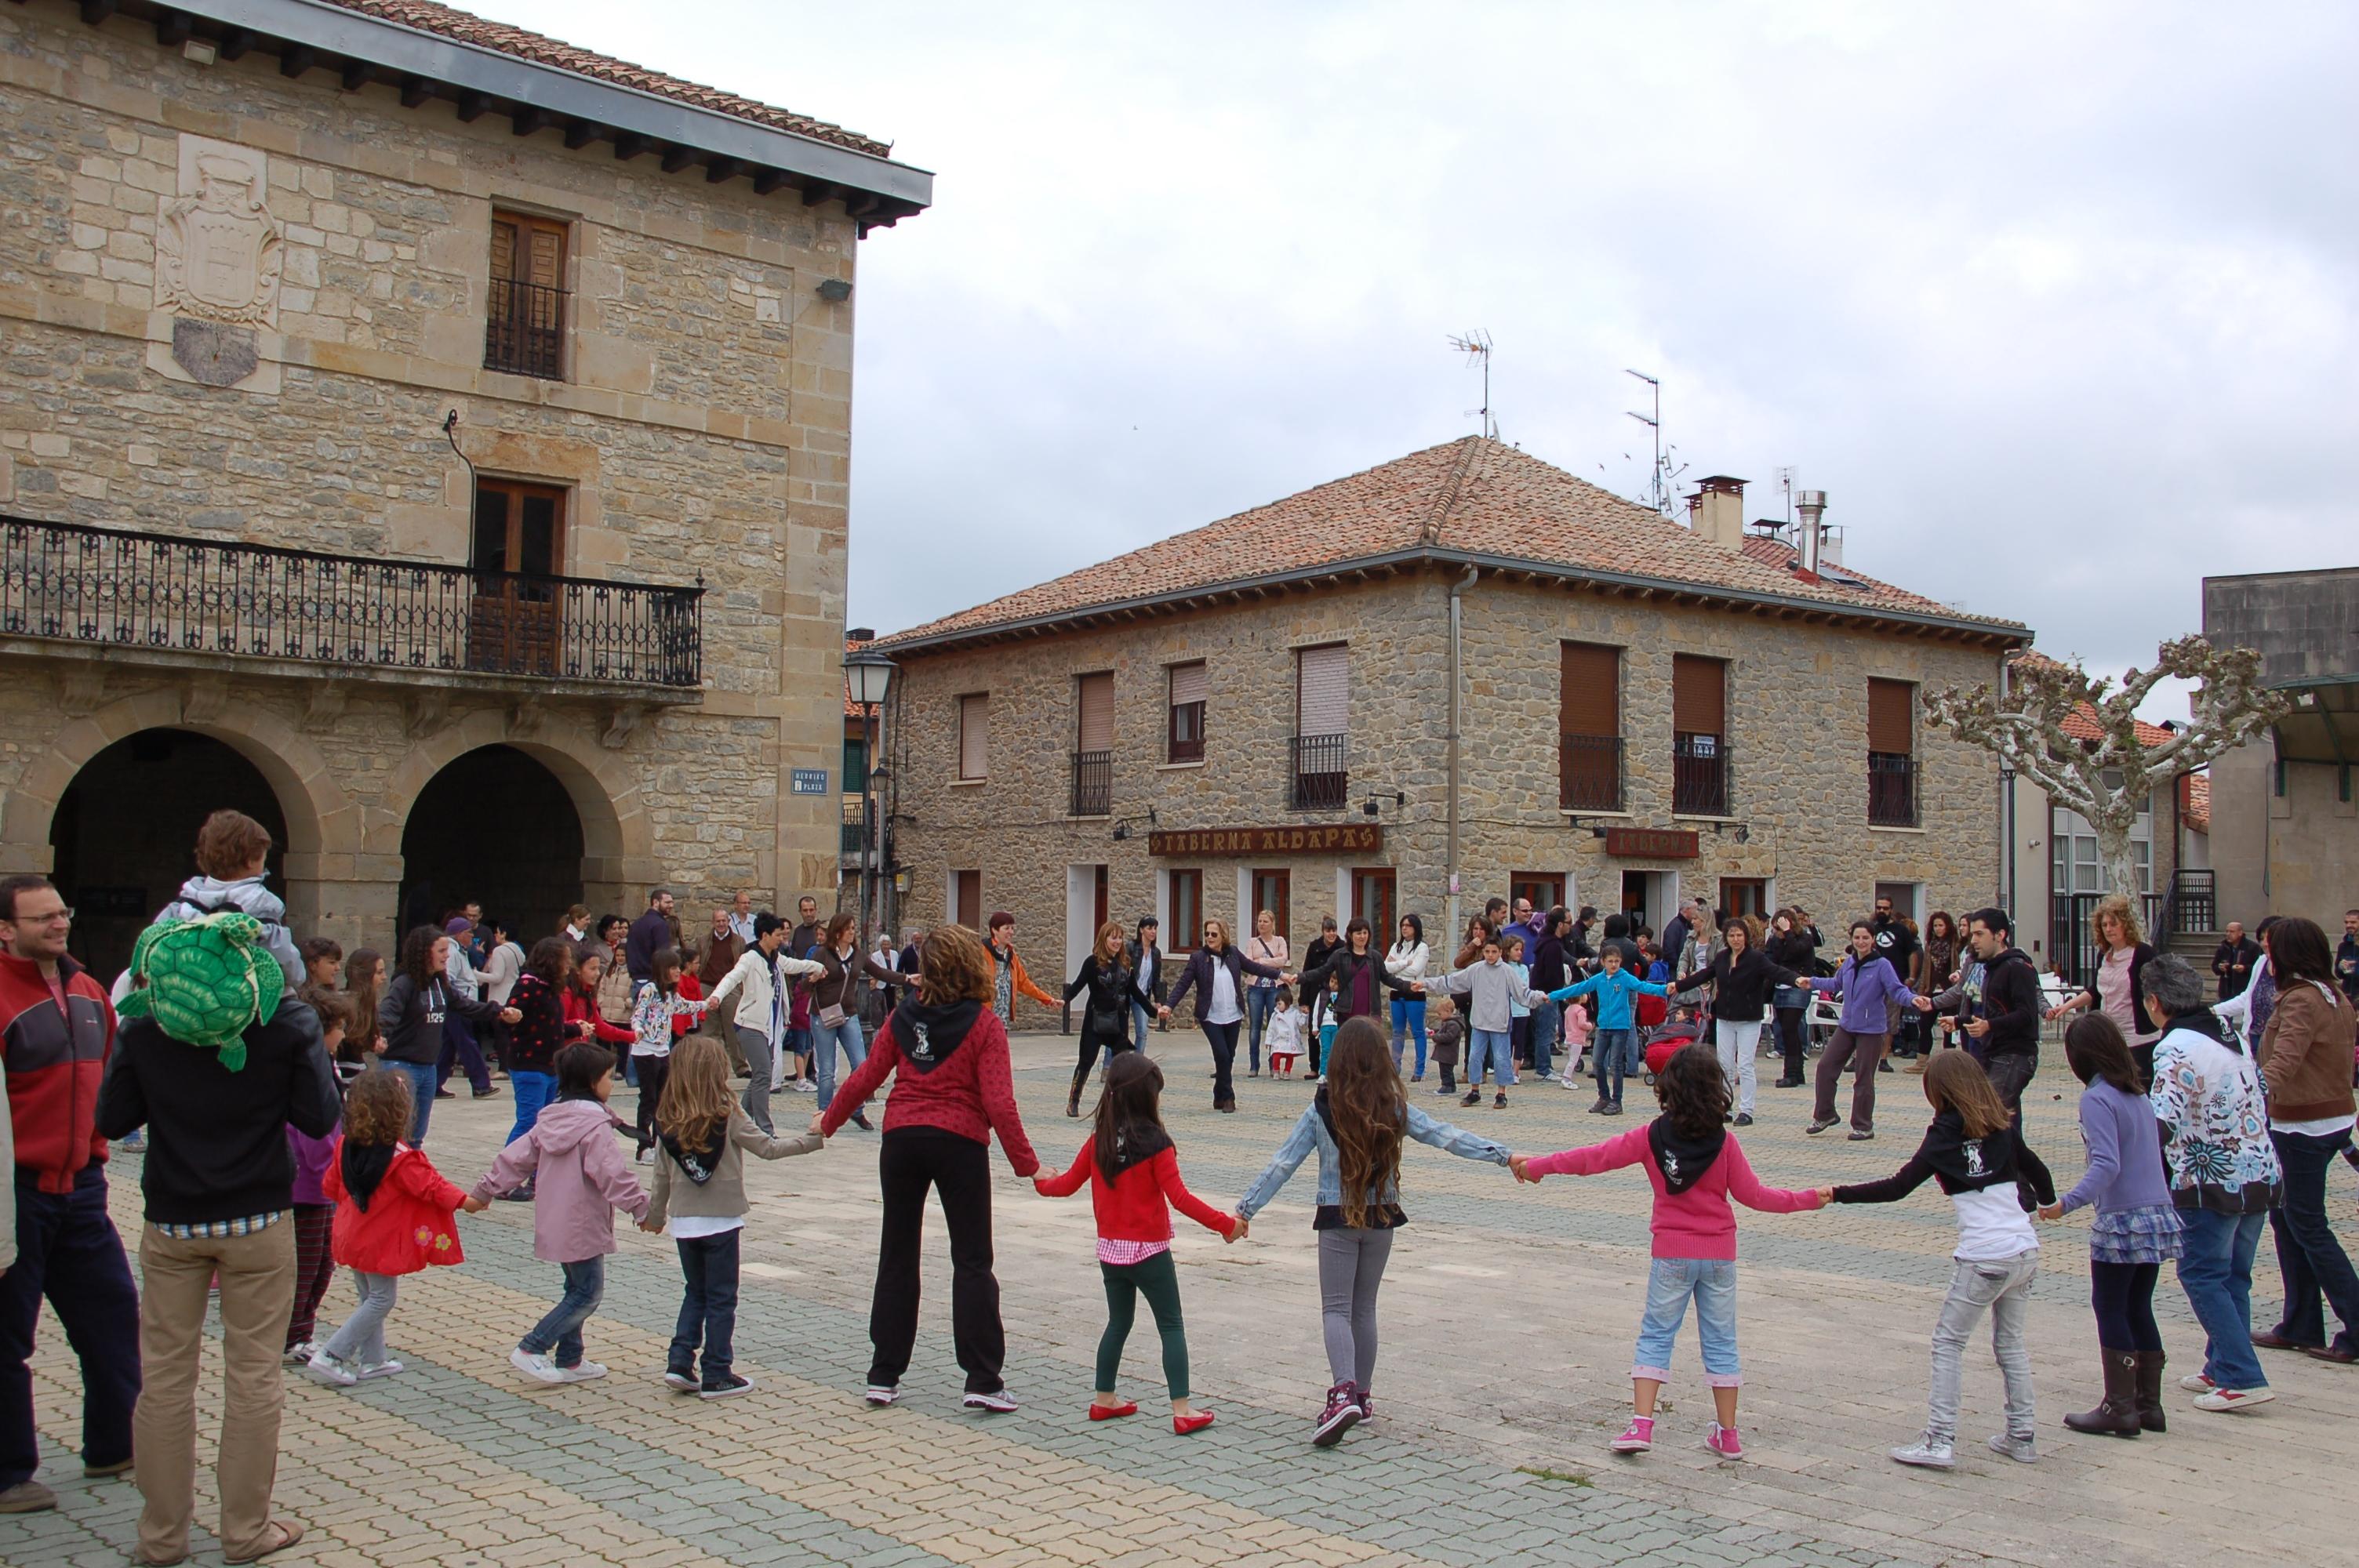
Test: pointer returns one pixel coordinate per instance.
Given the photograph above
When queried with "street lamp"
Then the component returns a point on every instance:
(866, 675)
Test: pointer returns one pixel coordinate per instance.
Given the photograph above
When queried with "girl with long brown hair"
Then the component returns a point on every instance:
(364, 985)
(1104, 978)
(1357, 1122)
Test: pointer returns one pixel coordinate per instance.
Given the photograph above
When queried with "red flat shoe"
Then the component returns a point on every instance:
(1112, 1412)
(1194, 1421)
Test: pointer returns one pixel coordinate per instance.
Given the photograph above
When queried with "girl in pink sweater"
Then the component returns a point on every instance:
(1696, 1167)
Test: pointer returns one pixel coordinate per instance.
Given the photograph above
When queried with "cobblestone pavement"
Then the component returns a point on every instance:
(1509, 1314)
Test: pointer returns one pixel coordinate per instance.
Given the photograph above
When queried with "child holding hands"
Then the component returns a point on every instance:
(394, 1216)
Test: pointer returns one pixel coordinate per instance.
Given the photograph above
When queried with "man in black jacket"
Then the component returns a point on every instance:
(2234, 959)
(2006, 1026)
(650, 934)
(219, 1185)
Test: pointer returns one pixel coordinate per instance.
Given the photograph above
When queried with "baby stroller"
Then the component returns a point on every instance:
(1683, 1027)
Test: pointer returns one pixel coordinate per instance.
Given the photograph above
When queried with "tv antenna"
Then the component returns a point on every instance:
(1785, 487)
(1476, 346)
(1662, 486)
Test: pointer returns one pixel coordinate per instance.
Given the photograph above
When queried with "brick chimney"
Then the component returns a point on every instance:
(1716, 510)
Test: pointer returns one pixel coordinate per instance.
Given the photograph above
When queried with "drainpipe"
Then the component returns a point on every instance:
(1450, 927)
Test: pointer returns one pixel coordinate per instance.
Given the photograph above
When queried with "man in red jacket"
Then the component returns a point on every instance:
(57, 1027)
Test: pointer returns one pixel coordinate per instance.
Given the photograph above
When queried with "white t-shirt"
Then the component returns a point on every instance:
(694, 1224)
(1225, 1008)
(1992, 1226)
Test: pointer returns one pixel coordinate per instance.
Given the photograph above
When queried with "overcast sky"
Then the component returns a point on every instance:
(2055, 301)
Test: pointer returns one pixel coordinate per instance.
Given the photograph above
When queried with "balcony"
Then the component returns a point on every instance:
(1588, 772)
(524, 330)
(1891, 790)
(174, 598)
(1699, 775)
(1321, 782)
(1093, 784)
(852, 826)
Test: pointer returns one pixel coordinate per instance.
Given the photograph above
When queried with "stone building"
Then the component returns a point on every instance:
(428, 437)
(1258, 714)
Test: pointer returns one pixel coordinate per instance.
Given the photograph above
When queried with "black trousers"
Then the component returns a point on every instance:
(911, 1160)
(1223, 1038)
(1092, 1044)
(1793, 1040)
(653, 1070)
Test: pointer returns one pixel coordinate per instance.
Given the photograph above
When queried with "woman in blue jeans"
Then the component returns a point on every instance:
(1407, 962)
(834, 1010)
(409, 1019)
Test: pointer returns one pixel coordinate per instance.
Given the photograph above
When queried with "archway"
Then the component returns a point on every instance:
(124, 830)
(497, 826)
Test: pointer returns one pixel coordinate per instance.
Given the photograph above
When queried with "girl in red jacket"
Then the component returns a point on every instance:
(1133, 1172)
(395, 1215)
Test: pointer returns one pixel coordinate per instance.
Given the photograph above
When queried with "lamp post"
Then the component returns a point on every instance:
(866, 673)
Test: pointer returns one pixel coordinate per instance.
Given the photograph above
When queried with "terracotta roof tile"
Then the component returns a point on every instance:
(2195, 801)
(2082, 725)
(1469, 497)
(464, 27)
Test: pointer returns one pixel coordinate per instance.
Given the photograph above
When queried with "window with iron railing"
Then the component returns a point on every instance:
(1093, 784)
(1321, 779)
(523, 314)
(1891, 790)
(1699, 775)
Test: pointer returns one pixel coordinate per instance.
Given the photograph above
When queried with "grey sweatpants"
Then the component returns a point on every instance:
(1351, 1267)
(755, 1043)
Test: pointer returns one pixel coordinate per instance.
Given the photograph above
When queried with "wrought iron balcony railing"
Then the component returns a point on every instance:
(1699, 775)
(1093, 784)
(524, 330)
(173, 594)
(1321, 781)
(1588, 772)
(1891, 789)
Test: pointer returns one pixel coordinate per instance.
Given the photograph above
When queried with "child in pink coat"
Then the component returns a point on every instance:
(580, 1176)
(1696, 1167)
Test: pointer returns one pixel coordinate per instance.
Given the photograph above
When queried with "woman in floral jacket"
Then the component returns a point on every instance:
(2224, 1176)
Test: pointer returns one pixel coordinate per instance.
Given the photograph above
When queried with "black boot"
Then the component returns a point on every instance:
(2149, 1390)
(2116, 1416)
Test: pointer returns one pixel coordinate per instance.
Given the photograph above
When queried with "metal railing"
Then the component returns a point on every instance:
(110, 586)
(1699, 775)
(524, 330)
(2192, 903)
(1891, 789)
(1316, 764)
(852, 823)
(2073, 944)
(1093, 784)
(1588, 772)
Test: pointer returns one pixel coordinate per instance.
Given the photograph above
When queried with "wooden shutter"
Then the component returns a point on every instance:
(1699, 695)
(974, 735)
(1591, 695)
(528, 250)
(967, 896)
(1188, 684)
(1324, 691)
(1096, 704)
(1890, 728)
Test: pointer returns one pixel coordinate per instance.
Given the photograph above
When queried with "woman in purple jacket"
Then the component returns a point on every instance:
(1869, 986)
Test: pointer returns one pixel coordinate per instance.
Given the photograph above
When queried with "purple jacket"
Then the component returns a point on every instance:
(580, 1175)
(1867, 992)
(312, 1156)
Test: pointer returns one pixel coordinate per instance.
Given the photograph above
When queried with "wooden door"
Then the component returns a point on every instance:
(1374, 901)
(1744, 895)
(1273, 891)
(1545, 889)
(518, 550)
(966, 900)
(1101, 904)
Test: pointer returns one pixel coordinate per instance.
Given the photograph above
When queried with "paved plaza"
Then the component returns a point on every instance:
(1508, 1317)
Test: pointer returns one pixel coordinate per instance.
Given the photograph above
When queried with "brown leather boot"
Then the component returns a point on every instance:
(2116, 1415)
(2149, 1391)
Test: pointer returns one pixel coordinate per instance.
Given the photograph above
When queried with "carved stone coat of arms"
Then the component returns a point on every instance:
(219, 253)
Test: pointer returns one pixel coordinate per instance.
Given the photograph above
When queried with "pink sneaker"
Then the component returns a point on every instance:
(1637, 1437)
(1724, 1442)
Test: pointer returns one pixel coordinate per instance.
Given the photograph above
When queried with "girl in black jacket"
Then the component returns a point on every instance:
(410, 1020)
(1221, 1015)
(1742, 977)
(1105, 976)
(1793, 945)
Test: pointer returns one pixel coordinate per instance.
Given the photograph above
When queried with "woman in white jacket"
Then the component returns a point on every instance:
(761, 977)
(1406, 962)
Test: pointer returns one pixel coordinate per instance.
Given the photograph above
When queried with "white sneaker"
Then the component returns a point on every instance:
(646, 1157)
(1928, 1455)
(2220, 1400)
(387, 1368)
(882, 1394)
(323, 1367)
(587, 1372)
(539, 1369)
(2022, 1449)
(805, 1086)
(298, 1354)
(999, 1401)
(2197, 1383)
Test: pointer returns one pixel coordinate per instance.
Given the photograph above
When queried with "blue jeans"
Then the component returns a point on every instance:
(1712, 1282)
(68, 1250)
(585, 1286)
(1260, 1001)
(422, 1076)
(1142, 1017)
(1408, 1024)
(2216, 1273)
(532, 1090)
(1491, 1045)
(823, 1040)
(708, 1311)
(1543, 1023)
(1610, 1052)
(2309, 1256)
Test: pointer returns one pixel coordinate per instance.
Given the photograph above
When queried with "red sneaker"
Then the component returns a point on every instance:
(1112, 1412)
(1196, 1421)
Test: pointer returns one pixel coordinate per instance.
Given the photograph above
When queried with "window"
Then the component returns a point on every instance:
(1744, 895)
(1545, 889)
(524, 327)
(1093, 746)
(1373, 900)
(1184, 733)
(519, 547)
(1891, 753)
(1698, 736)
(1187, 927)
(966, 900)
(974, 735)
(1903, 896)
(1588, 772)
(1273, 891)
(1322, 707)
(855, 763)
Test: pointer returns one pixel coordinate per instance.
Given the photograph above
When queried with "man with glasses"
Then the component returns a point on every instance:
(57, 1029)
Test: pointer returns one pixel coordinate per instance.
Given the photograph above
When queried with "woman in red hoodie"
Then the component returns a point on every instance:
(1133, 1174)
(947, 1054)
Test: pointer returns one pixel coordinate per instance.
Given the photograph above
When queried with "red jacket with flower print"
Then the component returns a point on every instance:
(409, 1224)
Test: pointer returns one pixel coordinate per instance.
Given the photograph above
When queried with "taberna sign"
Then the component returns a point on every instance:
(809, 781)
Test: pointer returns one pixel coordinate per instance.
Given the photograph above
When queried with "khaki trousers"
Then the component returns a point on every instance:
(257, 1296)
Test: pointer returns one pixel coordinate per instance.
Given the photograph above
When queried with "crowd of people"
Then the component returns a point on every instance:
(284, 1092)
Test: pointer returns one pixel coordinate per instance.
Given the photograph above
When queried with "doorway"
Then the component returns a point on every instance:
(518, 548)
(1744, 895)
(1545, 889)
(1273, 889)
(1374, 900)
(496, 827)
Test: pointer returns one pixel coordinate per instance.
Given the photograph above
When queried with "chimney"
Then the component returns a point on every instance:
(1716, 510)
(1809, 505)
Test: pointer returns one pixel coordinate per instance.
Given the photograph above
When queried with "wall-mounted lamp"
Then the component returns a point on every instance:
(1372, 806)
(835, 291)
(1121, 829)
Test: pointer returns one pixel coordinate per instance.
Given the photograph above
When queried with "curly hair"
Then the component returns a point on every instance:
(953, 965)
(1693, 1091)
(377, 1108)
(1369, 1108)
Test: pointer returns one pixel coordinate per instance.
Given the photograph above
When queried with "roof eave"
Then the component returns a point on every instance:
(2005, 633)
(886, 189)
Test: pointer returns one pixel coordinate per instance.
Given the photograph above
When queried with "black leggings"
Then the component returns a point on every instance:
(910, 1160)
(2123, 1294)
(653, 1070)
(1091, 1045)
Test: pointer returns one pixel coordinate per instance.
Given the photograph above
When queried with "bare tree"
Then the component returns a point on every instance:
(2109, 780)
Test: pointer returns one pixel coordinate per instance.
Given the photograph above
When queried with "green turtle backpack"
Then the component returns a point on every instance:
(205, 981)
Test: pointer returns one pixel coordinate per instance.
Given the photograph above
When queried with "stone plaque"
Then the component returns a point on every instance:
(1341, 839)
(214, 354)
(219, 253)
(1651, 844)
